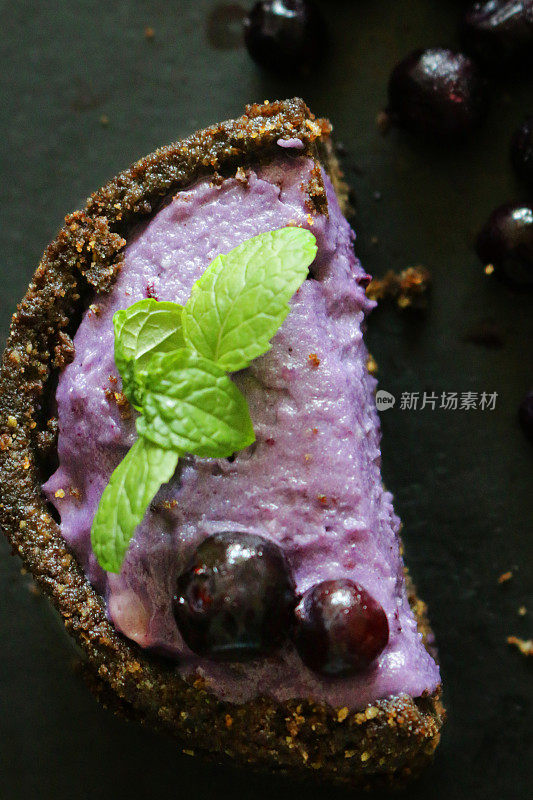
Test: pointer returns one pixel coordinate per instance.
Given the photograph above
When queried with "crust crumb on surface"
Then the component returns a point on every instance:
(505, 577)
(342, 713)
(372, 364)
(525, 646)
(408, 289)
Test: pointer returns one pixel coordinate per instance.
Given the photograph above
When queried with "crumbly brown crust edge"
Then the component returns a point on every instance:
(382, 745)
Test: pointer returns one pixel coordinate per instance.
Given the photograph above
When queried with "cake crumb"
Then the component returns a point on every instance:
(5, 442)
(241, 176)
(168, 505)
(372, 365)
(409, 288)
(524, 645)
(123, 405)
(342, 714)
(505, 576)
(314, 360)
(60, 494)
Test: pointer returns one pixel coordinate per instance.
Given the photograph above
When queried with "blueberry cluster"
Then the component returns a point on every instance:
(236, 600)
(442, 95)
(439, 95)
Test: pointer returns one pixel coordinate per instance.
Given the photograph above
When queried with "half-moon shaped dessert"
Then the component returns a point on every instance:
(261, 612)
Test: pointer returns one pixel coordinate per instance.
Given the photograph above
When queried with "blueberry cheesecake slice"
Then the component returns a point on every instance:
(190, 460)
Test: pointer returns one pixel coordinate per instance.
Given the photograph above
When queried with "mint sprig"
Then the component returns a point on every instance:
(192, 406)
(145, 328)
(242, 298)
(173, 362)
(131, 489)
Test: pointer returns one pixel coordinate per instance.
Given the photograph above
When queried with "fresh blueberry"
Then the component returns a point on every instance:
(522, 151)
(340, 629)
(506, 243)
(235, 600)
(437, 94)
(499, 32)
(285, 36)
(525, 414)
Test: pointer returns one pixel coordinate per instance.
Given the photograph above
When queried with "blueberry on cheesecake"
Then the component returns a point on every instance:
(191, 466)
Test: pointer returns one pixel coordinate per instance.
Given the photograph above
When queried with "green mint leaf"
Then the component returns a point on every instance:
(145, 328)
(131, 489)
(242, 298)
(192, 406)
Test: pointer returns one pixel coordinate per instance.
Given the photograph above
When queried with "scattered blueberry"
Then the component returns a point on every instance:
(522, 151)
(525, 414)
(499, 32)
(506, 242)
(285, 35)
(236, 598)
(340, 628)
(437, 94)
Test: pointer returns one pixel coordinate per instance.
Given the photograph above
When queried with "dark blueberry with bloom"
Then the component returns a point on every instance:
(340, 628)
(499, 32)
(235, 600)
(285, 36)
(506, 243)
(525, 414)
(437, 94)
(522, 152)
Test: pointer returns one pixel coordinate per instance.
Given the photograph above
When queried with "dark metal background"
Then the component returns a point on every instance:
(462, 480)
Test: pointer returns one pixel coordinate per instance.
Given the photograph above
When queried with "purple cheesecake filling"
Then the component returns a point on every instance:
(311, 483)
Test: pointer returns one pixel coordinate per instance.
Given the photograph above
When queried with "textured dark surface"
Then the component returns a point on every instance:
(462, 479)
